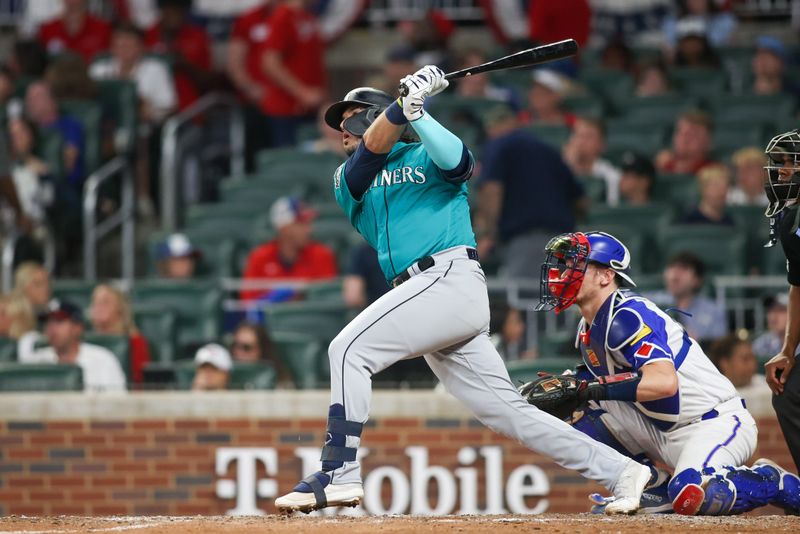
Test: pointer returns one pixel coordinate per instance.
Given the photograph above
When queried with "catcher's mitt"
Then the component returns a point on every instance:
(557, 395)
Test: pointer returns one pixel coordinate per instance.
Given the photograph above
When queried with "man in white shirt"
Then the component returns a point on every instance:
(582, 153)
(64, 329)
(154, 83)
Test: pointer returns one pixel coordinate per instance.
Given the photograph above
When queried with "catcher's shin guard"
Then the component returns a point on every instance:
(725, 491)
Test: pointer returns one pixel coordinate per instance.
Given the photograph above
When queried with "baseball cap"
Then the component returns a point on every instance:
(771, 44)
(61, 310)
(637, 164)
(215, 355)
(691, 27)
(781, 299)
(288, 210)
(176, 246)
(550, 79)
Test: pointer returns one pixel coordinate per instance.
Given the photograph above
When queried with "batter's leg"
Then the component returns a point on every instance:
(476, 375)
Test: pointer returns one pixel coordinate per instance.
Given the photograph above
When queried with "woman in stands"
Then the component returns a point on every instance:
(251, 344)
(18, 322)
(110, 313)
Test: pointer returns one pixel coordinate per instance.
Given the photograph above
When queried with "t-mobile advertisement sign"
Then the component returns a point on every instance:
(457, 490)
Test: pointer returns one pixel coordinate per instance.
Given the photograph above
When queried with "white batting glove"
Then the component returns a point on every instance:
(426, 82)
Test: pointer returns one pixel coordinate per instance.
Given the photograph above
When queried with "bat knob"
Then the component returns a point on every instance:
(402, 89)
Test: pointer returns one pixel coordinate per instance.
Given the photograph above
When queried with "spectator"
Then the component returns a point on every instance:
(637, 179)
(243, 65)
(691, 145)
(128, 62)
(717, 26)
(64, 330)
(693, 49)
(511, 340)
(481, 86)
(618, 56)
(713, 182)
(188, 47)
(292, 255)
(18, 322)
(43, 110)
(652, 80)
(77, 31)
(555, 21)
(768, 67)
(428, 38)
(213, 366)
(251, 344)
(68, 78)
(110, 314)
(8, 192)
(770, 342)
(32, 281)
(364, 282)
(639, 23)
(544, 99)
(177, 258)
(702, 317)
(582, 153)
(292, 58)
(329, 140)
(749, 189)
(526, 194)
(734, 358)
(28, 59)
(31, 175)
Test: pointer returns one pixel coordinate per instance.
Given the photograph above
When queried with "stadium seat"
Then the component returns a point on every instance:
(658, 110)
(585, 105)
(595, 188)
(646, 219)
(328, 291)
(324, 319)
(78, 292)
(522, 371)
(552, 134)
(622, 135)
(304, 355)
(698, 81)
(90, 115)
(218, 252)
(196, 303)
(119, 345)
(721, 248)
(8, 350)
(258, 190)
(40, 377)
(120, 105)
(756, 108)
(633, 238)
(680, 190)
(557, 345)
(729, 137)
(755, 226)
(296, 163)
(254, 376)
(612, 85)
(159, 327)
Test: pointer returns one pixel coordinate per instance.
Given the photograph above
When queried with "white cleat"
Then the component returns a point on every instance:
(629, 489)
(335, 495)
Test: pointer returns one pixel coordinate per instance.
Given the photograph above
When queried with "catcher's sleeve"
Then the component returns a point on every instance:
(621, 387)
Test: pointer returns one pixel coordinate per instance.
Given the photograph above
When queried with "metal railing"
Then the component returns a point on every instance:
(124, 218)
(179, 143)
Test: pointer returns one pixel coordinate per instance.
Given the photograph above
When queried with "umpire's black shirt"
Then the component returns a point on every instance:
(790, 241)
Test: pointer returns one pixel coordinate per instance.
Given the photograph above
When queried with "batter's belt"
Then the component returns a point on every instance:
(427, 262)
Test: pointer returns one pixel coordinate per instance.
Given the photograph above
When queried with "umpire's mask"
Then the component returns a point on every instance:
(782, 177)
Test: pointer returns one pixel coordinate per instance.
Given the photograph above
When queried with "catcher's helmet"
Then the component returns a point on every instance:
(568, 256)
(782, 180)
(374, 100)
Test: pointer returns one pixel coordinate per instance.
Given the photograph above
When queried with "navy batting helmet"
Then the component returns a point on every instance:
(373, 99)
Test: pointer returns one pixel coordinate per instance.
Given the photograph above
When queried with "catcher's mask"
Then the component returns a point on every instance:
(568, 256)
(782, 179)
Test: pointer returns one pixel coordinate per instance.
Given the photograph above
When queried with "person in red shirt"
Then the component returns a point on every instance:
(691, 145)
(77, 31)
(189, 48)
(549, 22)
(292, 255)
(292, 58)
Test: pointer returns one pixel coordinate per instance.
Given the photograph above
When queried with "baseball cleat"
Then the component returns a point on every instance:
(788, 496)
(315, 492)
(655, 499)
(629, 489)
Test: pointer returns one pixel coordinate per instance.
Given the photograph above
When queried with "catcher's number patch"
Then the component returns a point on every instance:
(550, 385)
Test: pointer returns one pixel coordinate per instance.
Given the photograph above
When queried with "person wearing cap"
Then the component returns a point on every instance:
(583, 151)
(748, 189)
(544, 99)
(703, 17)
(177, 257)
(292, 255)
(64, 329)
(637, 179)
(213, 365)
(768, 67)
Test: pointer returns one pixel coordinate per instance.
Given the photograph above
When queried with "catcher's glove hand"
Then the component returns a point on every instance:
(557, 395)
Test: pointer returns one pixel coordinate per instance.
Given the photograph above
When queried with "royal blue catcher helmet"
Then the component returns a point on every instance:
(568, 256)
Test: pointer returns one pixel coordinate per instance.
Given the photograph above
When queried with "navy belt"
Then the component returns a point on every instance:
(426, 263)
(711, 414)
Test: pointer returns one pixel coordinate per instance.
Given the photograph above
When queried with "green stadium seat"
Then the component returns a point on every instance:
(304, 355)
(728, 138)
(159, 327)
(680, 190)
(196, 303)
(78, 292)
(622, 135)
(8, 350)
(297, 163)
(90, 115)
(699, 82)
(15, 377)
(325, 319)
(658, 110)
(218, 252)
(253, 376)
(552, 134)
(585, 105)
(257, 190)
(755, 226)
(632, 237)
(595, 188)
(611, 84)
(755, 108)
(721, 248)
(328, 290)
(119, 345)
(522, 371)
(647, 219)
(557, 345)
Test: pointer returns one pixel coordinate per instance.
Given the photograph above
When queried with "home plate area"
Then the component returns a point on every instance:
(551, 523)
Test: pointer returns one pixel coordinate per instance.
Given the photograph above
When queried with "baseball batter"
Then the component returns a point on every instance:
(408, 199)
(658, 393)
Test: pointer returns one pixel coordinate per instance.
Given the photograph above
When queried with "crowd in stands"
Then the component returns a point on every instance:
(636, 122)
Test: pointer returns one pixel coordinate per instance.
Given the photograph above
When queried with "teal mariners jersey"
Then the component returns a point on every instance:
(409, 210)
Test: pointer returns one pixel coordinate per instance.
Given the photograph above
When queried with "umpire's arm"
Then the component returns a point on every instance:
(785, 359)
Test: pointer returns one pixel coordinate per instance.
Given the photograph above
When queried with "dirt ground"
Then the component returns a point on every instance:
(546, 523)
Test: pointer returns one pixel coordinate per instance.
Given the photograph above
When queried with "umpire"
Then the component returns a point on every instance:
(783, 191)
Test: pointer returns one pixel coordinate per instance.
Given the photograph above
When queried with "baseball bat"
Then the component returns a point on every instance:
(526, 58)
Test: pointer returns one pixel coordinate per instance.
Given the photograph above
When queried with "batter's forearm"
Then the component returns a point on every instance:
(444, 147)
(381, 135)
(792, 337)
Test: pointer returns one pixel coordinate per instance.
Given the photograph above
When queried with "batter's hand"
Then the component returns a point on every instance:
(782, 363)
(427, 81)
